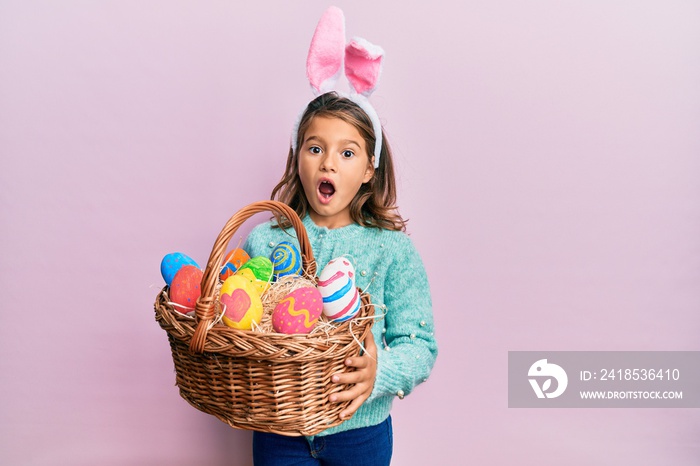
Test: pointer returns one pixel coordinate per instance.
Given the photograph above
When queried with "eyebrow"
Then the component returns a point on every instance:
(343, 142)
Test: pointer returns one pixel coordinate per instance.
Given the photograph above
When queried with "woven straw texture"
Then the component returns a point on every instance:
(250, 380)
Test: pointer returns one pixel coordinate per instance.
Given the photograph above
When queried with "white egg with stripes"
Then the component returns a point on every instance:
(341, 299)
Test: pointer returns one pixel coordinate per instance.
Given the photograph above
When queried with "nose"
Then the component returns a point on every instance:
(328, 163)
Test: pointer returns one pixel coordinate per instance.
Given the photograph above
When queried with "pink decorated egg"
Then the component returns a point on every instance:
(240, 302)
(185, 288)
(298, 312)
(341, 299)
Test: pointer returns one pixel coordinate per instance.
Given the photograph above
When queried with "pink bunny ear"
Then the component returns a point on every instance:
(324, 63)
(363, 65)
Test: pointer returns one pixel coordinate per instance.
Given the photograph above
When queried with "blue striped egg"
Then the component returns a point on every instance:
(341, 299)
(286, 260)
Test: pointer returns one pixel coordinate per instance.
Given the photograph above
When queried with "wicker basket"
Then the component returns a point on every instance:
(267, 382)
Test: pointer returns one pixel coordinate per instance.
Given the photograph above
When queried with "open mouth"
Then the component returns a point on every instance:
(326, 190)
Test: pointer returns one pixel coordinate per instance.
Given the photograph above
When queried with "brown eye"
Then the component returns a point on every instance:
(315, 150)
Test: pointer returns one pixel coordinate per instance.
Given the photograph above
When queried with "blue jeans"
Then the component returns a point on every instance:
(367, 446)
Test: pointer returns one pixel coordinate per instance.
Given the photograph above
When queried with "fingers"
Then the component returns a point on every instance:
(365, 370)
(360, 362)
(357, 395)
(347, 395)
(361, 379)
(348, 412)
(368, 359)
(347, 378)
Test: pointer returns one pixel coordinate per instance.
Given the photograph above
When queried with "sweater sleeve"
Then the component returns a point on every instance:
(411, 348)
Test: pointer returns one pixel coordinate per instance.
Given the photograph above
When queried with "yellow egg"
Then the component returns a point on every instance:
(260, 285)
(241, 303)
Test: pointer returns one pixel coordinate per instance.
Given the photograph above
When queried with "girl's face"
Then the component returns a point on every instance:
(333, 164)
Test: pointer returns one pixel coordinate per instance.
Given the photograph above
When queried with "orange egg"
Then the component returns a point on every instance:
(232, 262)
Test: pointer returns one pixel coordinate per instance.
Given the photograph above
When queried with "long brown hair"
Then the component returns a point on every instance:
(374, 205)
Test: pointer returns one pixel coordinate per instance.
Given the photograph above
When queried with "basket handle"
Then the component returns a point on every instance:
(204, 309)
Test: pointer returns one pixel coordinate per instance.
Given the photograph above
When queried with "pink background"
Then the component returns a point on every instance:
(548, 157)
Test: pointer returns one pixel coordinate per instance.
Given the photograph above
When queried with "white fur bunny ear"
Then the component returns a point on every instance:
(324, 64)
(363, 65)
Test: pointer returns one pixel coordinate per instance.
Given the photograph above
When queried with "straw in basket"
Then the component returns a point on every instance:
(267, 382)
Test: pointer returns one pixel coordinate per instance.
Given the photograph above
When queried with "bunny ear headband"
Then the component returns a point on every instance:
(329, 56)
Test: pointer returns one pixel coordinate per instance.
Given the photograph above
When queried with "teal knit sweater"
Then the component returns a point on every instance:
(389, 268)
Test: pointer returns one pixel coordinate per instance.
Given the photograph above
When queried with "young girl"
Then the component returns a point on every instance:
(339, 179)
(347, 207)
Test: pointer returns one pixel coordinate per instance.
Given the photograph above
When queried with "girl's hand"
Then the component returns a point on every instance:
(363, 378)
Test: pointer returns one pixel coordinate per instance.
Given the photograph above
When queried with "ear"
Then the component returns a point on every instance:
(324, 64)
(369, 173)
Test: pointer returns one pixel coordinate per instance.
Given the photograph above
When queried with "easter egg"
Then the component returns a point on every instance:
(261, 267)
(298, 312)
(258, 271)
(232, 262)
(259, 285)
(173, 262)
(241, 303)
(185, 288)
(341, 299)
(286, 260)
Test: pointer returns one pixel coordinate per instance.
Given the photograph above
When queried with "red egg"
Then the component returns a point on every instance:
(186, 288)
